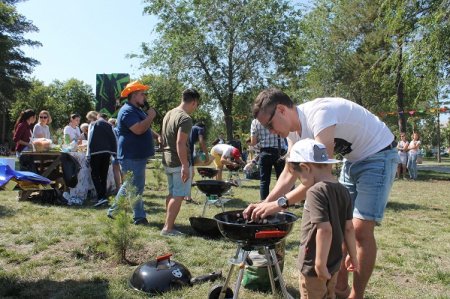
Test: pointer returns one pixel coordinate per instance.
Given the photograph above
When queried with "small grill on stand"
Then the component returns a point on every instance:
(206, 172)
(253, 236)
(213, 190)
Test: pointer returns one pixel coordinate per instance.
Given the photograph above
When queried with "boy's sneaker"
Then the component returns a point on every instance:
(100, 202)
(171, 233)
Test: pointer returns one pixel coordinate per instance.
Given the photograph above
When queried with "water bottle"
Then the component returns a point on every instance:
(202, 156)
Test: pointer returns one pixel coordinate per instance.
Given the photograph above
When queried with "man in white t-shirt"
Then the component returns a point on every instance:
(224, 154)
(368, 172)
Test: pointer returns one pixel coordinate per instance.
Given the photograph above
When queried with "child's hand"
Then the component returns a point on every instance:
(322, 272)
(351, 264)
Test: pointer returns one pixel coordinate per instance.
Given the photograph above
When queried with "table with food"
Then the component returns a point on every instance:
(46, 155)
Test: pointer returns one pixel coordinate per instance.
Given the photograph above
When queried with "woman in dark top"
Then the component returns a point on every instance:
(23, 129)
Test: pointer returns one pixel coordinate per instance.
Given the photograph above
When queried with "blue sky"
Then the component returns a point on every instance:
(82, 38)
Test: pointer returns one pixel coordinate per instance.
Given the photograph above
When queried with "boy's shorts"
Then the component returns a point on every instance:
(313, 287)
(369, 182)
(176, 186)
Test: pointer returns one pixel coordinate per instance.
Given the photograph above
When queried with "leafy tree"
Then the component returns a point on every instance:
(59, 98)
(71, 96)
(377, 53)
(14, 65)
(223, 47)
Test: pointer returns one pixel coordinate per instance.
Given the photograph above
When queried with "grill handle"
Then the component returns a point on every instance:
(163, 257)
(266, 234)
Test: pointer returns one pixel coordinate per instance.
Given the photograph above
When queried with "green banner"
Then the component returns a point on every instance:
(107, 92)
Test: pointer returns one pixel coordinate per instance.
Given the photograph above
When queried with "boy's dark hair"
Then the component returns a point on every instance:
(268, 99)
(74, 115)
(190, 95)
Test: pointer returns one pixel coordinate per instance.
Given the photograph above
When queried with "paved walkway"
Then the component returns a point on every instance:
(434, 167)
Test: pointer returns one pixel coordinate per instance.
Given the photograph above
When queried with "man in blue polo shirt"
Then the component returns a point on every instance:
(135, 144)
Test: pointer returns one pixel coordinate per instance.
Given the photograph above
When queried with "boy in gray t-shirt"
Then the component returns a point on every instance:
(326, 221)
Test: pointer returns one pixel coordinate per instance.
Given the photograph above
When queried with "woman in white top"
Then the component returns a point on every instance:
(72, 131)
(402, 147)
(413, 150)
(41, 129)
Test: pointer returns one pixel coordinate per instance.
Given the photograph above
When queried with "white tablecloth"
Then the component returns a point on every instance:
(85, 186)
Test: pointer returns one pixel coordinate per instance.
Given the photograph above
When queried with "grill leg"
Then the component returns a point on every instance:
(269, 269)
(286, 295)
(223, 292)
(204, 207)
(240, 275)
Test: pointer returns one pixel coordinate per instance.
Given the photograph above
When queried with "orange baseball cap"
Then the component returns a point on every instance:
(132, 87)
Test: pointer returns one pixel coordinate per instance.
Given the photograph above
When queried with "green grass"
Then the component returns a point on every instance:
(60, 252)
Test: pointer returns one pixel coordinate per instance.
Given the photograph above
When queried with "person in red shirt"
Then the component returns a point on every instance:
(23, 130)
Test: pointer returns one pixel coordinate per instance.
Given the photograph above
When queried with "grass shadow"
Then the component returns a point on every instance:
(6, 212)
(249, 187)
(400, 206)
(11, 287)
(425, 175)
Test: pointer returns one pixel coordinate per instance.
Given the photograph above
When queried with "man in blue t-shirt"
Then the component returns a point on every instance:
(135, 144)
(198, 134)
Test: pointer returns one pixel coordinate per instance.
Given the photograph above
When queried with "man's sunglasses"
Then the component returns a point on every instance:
(269, 125)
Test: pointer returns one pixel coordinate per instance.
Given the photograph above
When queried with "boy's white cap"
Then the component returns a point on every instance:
(310, 151)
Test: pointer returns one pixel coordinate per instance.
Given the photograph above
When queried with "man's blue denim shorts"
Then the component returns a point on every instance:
(369, 182)
(176, 185)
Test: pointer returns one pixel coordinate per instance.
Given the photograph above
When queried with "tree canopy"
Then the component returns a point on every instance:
(221, 47)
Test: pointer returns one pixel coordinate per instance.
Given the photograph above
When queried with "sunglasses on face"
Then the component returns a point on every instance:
(43, 116)
(269, 125)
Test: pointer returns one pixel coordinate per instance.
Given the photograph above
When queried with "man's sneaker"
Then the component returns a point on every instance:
(110, 216)
(171, 233)
(142, 221)
(100, 202)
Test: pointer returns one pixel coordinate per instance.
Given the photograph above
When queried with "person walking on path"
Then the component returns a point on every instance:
(135, 145)
(326, 221)
(413, 151)
(176, 127)
(368, 170)
(271, 148)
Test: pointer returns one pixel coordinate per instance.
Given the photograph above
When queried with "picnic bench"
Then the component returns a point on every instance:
(46, 164)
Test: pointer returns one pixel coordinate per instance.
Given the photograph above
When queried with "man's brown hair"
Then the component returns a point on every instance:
(268, 99)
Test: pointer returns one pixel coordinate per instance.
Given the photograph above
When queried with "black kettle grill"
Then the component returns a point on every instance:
(213, 190)
(163, 274)
(251, 235)
(207, 172)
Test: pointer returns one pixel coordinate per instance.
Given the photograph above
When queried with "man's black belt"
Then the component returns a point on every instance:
(270, 149)
(390, 146)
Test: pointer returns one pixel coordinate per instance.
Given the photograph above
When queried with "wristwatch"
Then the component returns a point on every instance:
(283, 202)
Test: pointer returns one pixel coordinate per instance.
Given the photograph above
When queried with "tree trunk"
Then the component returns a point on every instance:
(400, 89)
(229, 117)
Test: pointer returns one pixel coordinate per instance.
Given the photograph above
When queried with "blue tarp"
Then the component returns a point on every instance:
(6, 174)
